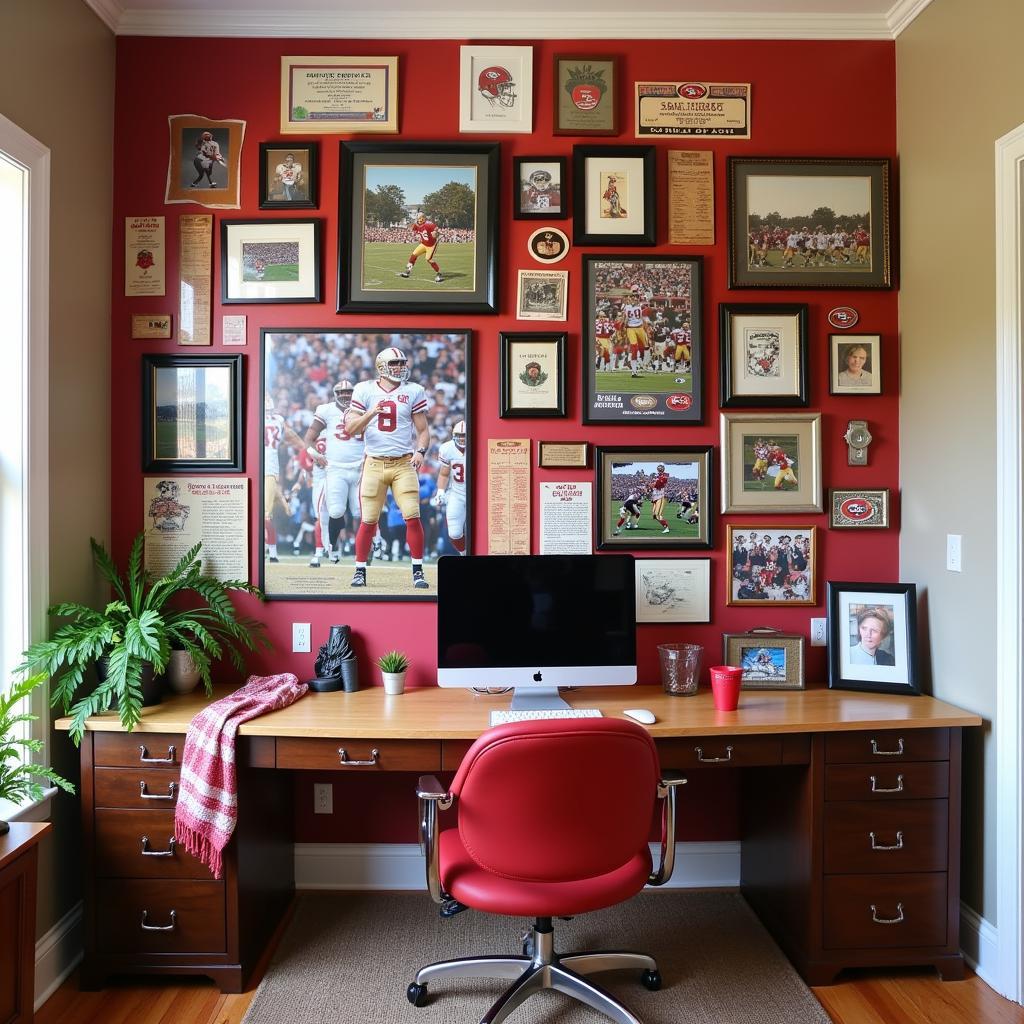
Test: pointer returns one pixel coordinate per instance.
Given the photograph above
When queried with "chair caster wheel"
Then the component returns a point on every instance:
(416, 994)
(649, 979)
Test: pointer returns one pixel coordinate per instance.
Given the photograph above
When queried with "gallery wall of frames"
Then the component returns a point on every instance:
(632, 254)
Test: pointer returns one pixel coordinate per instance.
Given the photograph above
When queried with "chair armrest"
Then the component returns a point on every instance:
(432, 796)
(670, 780)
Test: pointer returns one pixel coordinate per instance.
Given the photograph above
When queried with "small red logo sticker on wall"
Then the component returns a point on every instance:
(857, 509)
(843, 317)
(692, 90)
(679, 402)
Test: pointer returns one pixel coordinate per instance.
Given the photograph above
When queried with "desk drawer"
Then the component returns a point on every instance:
(722, 752)
(390, 756)
(197, 926)
(138, 750)
(909, 910)
(121, 852)
(910, 835)
(148, 788)
(925, 780)
(887, 746)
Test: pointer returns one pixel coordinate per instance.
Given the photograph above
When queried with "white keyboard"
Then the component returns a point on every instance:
(499, 717)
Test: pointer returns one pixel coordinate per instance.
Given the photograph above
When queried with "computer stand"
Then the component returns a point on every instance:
(538, 698)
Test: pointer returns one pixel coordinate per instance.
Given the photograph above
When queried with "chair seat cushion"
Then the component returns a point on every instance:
(481, 889)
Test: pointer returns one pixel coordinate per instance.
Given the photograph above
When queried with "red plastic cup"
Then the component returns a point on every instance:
(725, 686)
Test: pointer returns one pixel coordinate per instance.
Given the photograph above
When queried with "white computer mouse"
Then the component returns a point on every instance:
(641, 715)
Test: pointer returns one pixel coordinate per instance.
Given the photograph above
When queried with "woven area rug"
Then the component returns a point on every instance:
(347, 959)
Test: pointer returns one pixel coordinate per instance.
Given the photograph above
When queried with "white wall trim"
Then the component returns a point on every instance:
(58, 953)
(1009, 734)
(979, 943)
(902, 13)
(369, 866)
(110, 12)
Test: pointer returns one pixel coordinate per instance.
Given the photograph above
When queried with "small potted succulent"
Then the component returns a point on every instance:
(393, 667)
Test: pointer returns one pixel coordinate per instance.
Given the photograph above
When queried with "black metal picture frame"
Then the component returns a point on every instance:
(282, 187)
(604, 211)
(762, 354)
(529, 361)
(540, 188)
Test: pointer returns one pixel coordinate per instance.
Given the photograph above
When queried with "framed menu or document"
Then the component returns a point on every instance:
(339, 94)
(532, 382)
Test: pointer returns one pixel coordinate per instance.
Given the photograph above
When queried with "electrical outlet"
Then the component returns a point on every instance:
(954, 552)
(818, 634)
(323, 798)
(300, 638)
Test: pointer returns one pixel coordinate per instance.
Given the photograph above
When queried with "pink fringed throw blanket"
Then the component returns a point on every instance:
(207, 807)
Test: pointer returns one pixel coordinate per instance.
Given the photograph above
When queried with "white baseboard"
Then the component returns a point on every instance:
(979, 944)
(400, 866)
(58, 953)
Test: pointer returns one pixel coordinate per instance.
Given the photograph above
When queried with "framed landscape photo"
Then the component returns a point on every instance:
(771, 463)
(304, 409)
(770, 659)
(799, 222)
(643, 341)
(270, 260)
(418, 227)
(771, 565)
(763, 355)
(613, 195)
(192, 414)
(656, 497)
(673, 589)
(540, 188)
(585, 95)
(323, 94)
(496, 89)
(872, 637)
(855, 364)
(542, 294)
(289, 176)
(204, 161)
(532, 381)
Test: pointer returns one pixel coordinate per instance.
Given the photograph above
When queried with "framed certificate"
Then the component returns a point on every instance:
(339, 94)
(532, 380)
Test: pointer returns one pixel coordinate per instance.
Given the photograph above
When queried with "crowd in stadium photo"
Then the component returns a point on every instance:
(403, 234)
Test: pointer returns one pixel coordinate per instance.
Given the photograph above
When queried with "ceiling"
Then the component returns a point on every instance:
(533, 19)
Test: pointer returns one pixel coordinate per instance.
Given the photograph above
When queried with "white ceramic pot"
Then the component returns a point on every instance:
(394, 682)
(182, 674)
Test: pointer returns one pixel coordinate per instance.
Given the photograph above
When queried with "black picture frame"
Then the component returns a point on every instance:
(306, 190)
(886, 608)
(215, 407)
(540, 354)
(589, 203)
(246, 278)
(479, 161)
(522, 183)
(789, 358)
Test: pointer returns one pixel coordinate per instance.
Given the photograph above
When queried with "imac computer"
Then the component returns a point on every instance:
(536, 622)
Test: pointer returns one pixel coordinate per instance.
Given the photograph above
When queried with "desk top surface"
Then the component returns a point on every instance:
(433, 713)
(22, 836)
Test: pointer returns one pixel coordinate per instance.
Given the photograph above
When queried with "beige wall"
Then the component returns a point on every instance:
(57, 83)
(960, 86)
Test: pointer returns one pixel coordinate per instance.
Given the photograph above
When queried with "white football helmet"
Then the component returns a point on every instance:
(343, 393)
(459, 435)
(392, 365)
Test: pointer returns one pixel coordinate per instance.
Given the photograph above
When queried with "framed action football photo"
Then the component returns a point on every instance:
(763, 356)
(770, 659)
(203, 165)
(289, 175)
(270, 260)
(613, 195)
(771, 565)
(365, 424)
(540, 188)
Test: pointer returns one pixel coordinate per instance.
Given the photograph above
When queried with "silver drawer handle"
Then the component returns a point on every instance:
(147, 852)
(887, 753)
(159, 927)
(887, 920)
(344, 759)
(898, 845)
(144, 757)
(172, 788)
(713, 760)
(875, 788)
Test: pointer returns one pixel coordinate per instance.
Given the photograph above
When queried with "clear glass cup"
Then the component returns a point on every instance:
(680, 667)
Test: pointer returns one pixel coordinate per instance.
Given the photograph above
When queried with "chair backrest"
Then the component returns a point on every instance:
(557, 799)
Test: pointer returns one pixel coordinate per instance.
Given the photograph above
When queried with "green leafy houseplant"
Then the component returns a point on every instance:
(139, 628)
(393, 661)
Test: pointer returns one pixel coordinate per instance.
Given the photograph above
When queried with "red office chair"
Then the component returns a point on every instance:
(553, 820)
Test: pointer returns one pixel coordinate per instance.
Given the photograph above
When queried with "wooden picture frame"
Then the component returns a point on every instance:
(264, 261)
(770, 659)
(540, 188)
(584, 94)
(613, 195)
(532, 376)
(771, 565)
(762, 355)
(289, 175)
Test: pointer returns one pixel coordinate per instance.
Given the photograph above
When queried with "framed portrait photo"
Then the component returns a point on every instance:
(548, 245)
(192, 414)
(770, 659)
(655, 498)
(799, 222)
(270, 260)
(540, 188)
(542, 294)
(613, 195)
(771, 565)
(312, 378)
(872, 637)
(584, 94)
(763, 354)
(532, 381)
(204, 161)
(322, 94)
(864, 509)
(855, 364)
(289, 175)
(418, 227)
(496, 89)
(643, 341)
(771, 463)
(673, 589)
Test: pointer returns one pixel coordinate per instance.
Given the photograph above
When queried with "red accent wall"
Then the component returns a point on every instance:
(846, 107)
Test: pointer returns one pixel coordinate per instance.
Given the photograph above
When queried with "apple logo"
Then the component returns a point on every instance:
(538, 677)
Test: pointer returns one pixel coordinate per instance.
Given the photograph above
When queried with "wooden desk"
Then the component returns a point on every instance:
(843, 765)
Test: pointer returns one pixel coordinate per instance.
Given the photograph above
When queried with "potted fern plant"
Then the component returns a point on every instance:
(131, 639)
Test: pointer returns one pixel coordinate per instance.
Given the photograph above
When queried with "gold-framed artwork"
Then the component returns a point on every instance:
(328, 95)
(771, 565)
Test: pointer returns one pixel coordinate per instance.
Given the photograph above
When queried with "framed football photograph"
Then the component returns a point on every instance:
(770, 659)
(289, 176)
(763, 356)
(204, 161)
(540, 188)
(771, 565)
(270, 260)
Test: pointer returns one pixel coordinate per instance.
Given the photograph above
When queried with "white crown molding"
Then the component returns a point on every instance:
(110, 12)
(902, 13)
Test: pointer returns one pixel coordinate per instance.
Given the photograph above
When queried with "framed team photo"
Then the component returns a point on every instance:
(763, 356)
(855, 364)
(532, 380)
(643, 340)
(771, 565)
(289, 175)
(770, 659)
(270, 260)
(809, 223)
(653, 498)
(418, 227)
(405, 469)
(613, 195)
(496, 89)
(584, 95)
(864, 509)
(204, 161)
(540, 188)
(771, 463)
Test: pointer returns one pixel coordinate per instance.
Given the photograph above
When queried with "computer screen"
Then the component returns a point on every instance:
(536, 621)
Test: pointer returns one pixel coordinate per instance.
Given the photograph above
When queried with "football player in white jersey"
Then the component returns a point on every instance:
(451, 485)
(275, 430)
(636, 320)
(391, 415)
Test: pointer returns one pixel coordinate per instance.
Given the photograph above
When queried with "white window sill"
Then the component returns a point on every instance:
(34, 810)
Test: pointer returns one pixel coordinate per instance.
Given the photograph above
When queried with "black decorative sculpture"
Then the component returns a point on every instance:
(336, 665)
